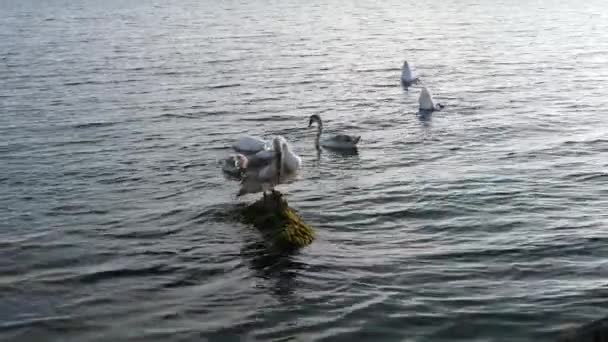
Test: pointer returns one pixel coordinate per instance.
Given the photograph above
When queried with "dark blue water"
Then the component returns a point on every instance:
(485, 222)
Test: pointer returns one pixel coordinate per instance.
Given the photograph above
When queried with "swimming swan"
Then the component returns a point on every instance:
(339, 141)
(407, 78)
(426, 102)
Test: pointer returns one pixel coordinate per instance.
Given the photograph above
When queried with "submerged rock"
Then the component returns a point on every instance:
(280, 224)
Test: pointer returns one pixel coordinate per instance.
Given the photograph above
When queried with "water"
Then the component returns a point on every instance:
(484, 222)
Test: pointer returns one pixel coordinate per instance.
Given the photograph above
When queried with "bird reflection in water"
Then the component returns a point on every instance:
(277, 267)
(342, 153)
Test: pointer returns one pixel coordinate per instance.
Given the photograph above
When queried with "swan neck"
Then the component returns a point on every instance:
(319, 129)
(279, 162)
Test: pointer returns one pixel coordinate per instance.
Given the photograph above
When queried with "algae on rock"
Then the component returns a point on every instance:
(280, 223)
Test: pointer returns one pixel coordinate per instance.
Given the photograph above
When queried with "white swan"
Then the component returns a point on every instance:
(407, 77)
(426, 102)
(263, 174)
(339, 141)
(236, 164)
(249, 144)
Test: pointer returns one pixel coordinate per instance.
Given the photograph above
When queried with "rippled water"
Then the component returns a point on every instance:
(484, 222)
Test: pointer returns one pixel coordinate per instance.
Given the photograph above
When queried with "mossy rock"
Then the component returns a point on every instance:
(281, 224)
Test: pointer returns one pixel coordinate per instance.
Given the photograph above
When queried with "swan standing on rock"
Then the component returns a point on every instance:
(407, 78)
(263, 174)
(339, 141)
(260, 178)
(426, 102)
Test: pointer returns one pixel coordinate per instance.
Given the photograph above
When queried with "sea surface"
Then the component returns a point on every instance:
(486, 221)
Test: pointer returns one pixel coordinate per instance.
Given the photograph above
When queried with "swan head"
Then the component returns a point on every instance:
(314, 118)
(277, 143)
(240, 161)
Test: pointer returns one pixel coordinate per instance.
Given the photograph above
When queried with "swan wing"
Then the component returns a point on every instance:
(257, 162)
(265, 154)
(292, 161)
(258, 180)
(249, 144)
